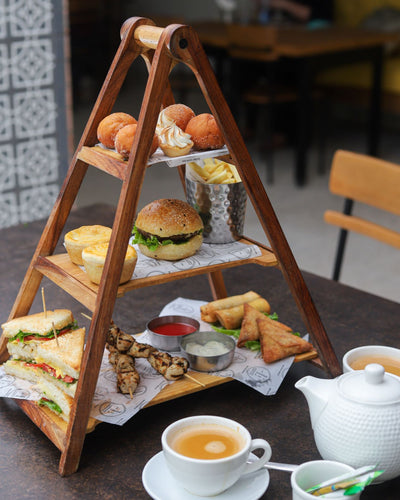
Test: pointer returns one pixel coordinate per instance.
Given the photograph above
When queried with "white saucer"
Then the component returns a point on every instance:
(160, 485)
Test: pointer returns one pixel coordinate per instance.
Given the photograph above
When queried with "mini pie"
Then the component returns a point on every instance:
(78, 239)
(94, 258)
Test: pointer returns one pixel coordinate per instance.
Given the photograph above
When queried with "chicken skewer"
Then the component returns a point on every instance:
(170, 367)
(127, 376)
(125, 343)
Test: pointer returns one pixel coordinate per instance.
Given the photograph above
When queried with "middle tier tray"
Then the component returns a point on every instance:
(74, 280)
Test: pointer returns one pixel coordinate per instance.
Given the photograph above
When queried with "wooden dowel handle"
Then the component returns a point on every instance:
(148, 36)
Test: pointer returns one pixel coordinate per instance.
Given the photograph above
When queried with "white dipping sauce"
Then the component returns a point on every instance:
(210, 348)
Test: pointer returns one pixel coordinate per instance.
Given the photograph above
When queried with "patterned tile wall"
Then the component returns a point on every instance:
(33, 109)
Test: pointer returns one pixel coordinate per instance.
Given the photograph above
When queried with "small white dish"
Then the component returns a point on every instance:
(160, 485)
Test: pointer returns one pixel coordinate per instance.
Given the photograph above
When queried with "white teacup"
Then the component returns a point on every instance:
(312, 473)
(208, 476)
(388, 357)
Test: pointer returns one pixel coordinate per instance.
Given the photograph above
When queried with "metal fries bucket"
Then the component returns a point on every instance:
(222, 208)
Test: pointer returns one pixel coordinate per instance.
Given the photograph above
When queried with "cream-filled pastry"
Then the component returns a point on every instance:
(163, 122)
(175, 113)
(174, 141)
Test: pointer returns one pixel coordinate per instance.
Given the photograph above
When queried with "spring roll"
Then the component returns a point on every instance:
(232, 318)
(209, 310)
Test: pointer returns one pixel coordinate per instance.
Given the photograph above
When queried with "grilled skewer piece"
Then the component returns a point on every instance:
(172, 368)
(140, 350)
(112, 355)
(127, 376)
(127, 382)
(125, 343)
(124, 364)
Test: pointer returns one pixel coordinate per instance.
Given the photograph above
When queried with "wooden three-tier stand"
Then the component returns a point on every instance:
(161, 48)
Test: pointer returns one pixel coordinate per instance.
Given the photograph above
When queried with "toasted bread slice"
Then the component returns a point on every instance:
(56, 395)
(21, 370)
(276, 343)
(33, 373)
(39, 323)
(64, 354)
(23, 350)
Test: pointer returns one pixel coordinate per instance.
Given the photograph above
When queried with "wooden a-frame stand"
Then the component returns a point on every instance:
(161, 49)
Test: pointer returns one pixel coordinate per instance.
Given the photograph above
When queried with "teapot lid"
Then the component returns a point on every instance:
(371, 385)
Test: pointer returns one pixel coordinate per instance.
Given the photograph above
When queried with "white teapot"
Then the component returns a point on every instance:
(356, 418)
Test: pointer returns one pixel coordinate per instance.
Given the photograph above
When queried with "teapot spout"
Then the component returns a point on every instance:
(316, 392)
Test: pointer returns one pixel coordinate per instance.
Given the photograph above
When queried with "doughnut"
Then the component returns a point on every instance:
(109, 126)
(205, 132)
(178, 113)
(124, 140)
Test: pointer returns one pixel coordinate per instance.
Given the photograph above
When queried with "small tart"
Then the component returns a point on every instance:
(94, 258)
(174, 141)
(77, 240)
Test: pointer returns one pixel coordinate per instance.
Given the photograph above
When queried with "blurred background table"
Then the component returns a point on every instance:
(312, 51)
(113, 457)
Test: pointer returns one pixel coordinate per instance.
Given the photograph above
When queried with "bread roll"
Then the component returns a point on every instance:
(78, 239)
(94, 258)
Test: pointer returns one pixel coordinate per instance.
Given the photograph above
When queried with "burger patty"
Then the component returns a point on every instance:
(178, 238)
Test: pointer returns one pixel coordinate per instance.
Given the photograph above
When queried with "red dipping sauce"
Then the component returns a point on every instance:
(174, 329)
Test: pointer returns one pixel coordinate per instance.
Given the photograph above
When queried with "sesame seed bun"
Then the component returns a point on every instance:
(170, 219)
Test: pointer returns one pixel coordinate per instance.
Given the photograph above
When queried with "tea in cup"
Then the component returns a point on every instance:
(359, 357)
(208, 454)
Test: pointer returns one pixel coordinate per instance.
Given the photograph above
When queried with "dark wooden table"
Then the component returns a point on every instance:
(113, 457)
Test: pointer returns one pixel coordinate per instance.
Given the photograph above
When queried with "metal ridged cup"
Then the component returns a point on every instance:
(222, 208)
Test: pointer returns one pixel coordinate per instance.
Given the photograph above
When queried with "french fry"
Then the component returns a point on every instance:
(196, 168)
(216, 171)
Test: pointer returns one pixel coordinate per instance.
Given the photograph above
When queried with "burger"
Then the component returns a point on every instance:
(168, 229)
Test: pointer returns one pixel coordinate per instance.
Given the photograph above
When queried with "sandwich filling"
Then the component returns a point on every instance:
(53, 372)
(152, 242)
(50, 404)
(27, 336)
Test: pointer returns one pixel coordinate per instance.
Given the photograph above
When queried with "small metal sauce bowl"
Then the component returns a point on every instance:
(212, 363)
(169, 342)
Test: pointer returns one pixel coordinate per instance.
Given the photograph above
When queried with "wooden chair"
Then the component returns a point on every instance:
(367, 180)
